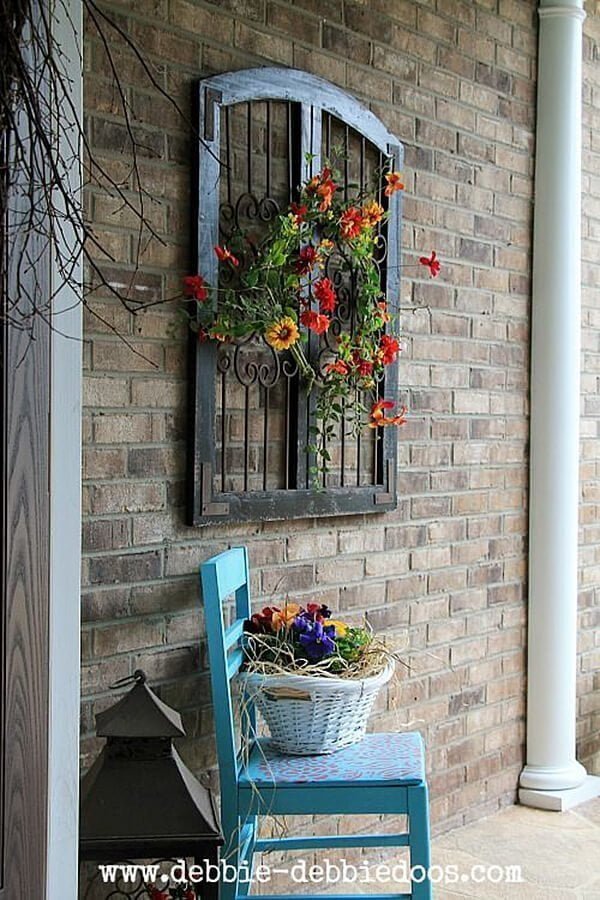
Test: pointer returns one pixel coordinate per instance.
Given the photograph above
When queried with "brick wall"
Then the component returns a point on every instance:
(456, 82)
(588, 683)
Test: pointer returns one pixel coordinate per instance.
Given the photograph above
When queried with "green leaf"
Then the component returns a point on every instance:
(251, 278)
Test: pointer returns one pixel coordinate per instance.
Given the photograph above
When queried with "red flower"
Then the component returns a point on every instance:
(394, 183)
(351, 223)
(318, 611)
(268, 611)
(203, 335)
(189, 894)
(307, 257)
(313, 320)
(379, 418)
(432, 263)
(261, 621)
(298, 212)
(226, 255)
(340, 367)
(325, 294)
(364, 366)
(157, 894)
(194, 287)
(388, 349)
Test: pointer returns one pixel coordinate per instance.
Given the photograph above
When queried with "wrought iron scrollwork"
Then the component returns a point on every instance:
(137, 888)
(248, 210)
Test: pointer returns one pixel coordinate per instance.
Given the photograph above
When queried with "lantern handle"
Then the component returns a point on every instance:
(139, 677)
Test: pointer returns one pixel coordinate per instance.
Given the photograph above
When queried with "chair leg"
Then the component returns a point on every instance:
(246, 870)
(419, 841)
(230, 854)
(235, 834)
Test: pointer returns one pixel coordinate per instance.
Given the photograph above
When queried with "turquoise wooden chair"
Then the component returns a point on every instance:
(384, 773)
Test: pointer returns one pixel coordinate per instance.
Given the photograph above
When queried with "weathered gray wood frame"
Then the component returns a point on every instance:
(314, 96)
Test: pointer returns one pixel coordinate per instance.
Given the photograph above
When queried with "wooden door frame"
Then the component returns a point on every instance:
(41, 572)
(65, 524)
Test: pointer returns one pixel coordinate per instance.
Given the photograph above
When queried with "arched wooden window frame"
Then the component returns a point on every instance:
(313, 96)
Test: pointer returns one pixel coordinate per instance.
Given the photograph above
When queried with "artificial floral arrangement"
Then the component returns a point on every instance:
(307, 640)
(313, 678)
(278, 289)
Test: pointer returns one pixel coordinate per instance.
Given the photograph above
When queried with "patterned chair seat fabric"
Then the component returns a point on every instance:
(379, 759)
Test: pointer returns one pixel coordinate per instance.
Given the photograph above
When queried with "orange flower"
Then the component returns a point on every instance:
(315, 321)
(325, 192)
(283, 334)
(384, 314)
(394, 183)
(323, 187)
(225, 255)
(285, 617)
(372, 213)
(339, 366)
(379, 418)
(351, 223)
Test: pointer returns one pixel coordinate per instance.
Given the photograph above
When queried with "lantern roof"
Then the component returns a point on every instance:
(126, 799)
(140, 713)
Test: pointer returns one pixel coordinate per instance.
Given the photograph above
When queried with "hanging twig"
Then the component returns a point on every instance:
(42, 140)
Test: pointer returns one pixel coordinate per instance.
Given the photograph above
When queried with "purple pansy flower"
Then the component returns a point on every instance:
(317, 641)
(302, 623)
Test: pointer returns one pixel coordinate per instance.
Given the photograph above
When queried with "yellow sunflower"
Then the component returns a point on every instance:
(283, 334)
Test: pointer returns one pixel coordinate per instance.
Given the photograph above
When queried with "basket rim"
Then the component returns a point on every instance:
(258, 679)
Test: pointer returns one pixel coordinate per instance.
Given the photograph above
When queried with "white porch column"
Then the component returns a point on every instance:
(552, 778)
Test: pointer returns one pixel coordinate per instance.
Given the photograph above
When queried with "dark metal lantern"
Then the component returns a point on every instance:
(139, 799)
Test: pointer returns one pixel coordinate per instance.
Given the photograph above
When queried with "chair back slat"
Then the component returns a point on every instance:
(232, 568)
(234, 633)
(234, 662)
(221, 576)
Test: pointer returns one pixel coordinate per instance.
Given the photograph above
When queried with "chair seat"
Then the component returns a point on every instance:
(381, 758)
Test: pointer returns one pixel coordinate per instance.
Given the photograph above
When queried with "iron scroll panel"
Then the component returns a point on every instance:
(310, 105)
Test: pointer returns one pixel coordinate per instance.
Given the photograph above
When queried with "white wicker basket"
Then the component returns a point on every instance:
(307, 715)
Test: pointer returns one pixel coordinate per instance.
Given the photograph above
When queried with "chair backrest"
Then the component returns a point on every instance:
(221, 577)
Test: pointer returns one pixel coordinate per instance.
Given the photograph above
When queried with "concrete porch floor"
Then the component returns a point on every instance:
(559, 854)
